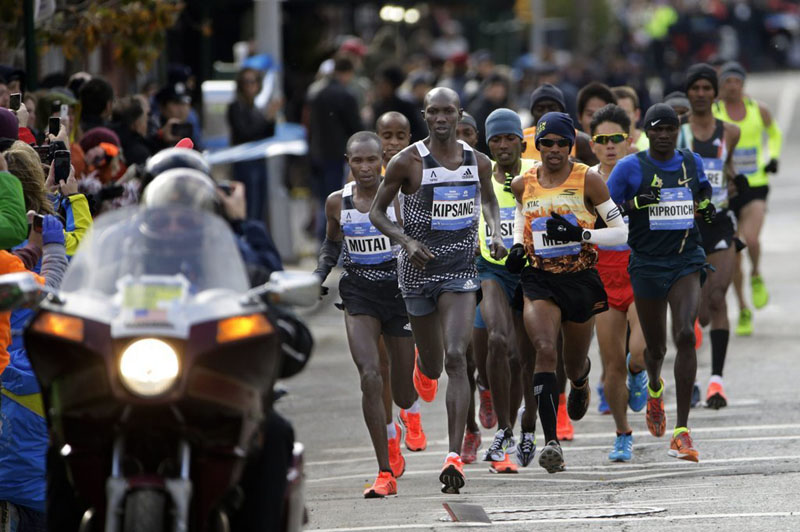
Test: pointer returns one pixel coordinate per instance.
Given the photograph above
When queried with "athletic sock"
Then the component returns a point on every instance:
(719, 347)
(545, 388)
(679, 430)
(414, 408)
(391, 431)
(452, 455)
(655, 395)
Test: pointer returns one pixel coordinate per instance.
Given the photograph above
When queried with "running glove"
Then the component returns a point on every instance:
(515, 260)
(559, 228)
(52, 230)
(741, 183)
(772, 166)
(651, 196)
(707, 210)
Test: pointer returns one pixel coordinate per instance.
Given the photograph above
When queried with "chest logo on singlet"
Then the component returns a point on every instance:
(674, 211)
(682, 182)
(453, 207)
(547, 247)
(467, 174)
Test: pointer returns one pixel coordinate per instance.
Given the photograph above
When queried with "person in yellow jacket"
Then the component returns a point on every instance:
(751, 159)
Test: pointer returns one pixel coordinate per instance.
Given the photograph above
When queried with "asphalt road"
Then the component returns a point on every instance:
(750, 451)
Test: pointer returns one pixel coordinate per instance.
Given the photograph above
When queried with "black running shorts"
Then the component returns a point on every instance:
(718, 235)
(746, 196)
(579, 295)
(378, 299)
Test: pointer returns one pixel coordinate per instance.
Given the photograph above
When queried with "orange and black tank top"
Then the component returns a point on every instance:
(567, 199)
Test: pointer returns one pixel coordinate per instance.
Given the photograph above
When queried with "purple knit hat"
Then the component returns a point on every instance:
(9, 125)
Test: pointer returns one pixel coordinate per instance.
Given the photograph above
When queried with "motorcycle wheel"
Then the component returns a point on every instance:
(144, 511)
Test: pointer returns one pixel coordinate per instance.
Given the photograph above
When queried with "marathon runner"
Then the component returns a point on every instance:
(371, 301)
(750, 205)
(610, 142)
(499, 313)
(714, 141)
(439, 179)
(629, 101)
(659, 190)
(557, 205)
(394, 130)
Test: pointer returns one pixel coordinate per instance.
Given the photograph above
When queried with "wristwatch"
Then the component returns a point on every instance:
(586, 236)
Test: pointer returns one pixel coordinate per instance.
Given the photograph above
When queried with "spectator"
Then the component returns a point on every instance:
(390, 78)
(96, 96)
(129, 116)
(5, 94)
(590, 99)
(15, 78)
(174, 106)
(23, 162)
(628, 100)
(102, 148)
(494, 95)
(249, 123)
(334, 118)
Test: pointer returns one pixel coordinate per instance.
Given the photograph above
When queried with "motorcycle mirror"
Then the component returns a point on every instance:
(20, 290)
(289, 287)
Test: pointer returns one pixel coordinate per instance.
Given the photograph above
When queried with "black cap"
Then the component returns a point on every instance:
(660, 114)
(173, 93)
(702, 71)
(546, 91)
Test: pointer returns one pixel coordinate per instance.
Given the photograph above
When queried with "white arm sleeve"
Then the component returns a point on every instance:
(616, 232)
(519, 224)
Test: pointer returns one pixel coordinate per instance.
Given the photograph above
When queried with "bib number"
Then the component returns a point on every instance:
(674, 212)
(746, 160)
(453, 208)
(506, 227)
(547, 247)
(366, 244)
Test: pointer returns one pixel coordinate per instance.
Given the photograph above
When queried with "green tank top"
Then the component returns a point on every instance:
(642, 143)
(748, 157)
(508, 209)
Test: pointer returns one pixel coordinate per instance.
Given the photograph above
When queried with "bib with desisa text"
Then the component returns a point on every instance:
(506, 227)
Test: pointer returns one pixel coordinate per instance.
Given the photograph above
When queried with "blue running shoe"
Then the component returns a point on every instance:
(623, 449)
(637, 387)
(695, 395)
(603, 407)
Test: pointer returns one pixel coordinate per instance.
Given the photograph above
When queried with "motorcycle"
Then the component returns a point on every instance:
(156, 364)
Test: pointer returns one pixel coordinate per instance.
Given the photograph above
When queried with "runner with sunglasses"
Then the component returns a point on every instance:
(659, 190)
(715, 141)
(610, 142)
(371, 301)
(557, 206)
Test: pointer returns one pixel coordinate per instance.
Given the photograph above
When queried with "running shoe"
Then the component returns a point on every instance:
(452, 475)
(698, 335)
(745, 325)
(564, 429)
(602, 407)
(552, 458)
(715, 396)
(486, 410)
(469, 449)
(623, 448)
(655, 416)
(415, 437)
(695, 395)
(681, 446)
(383, 486)
(526, 448)
(578, 400)
(504, 467)
(396, 460)
(760, 295)
(503, 439)
(426, 387)
(637, 387)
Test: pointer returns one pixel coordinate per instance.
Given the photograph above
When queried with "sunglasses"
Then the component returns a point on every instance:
(549, 143)
(615, 138)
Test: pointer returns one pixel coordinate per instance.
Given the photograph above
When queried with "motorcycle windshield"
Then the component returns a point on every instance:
(136, 243)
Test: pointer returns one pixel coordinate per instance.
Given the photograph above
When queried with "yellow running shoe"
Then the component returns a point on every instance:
(760, 295)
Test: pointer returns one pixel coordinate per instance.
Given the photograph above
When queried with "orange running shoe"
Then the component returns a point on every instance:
(469, 450)
(655, 416)
(452, 475)
(681, 447)
(505, 467)
(564, 429)
(486, 411)
(396, 460)
(426, 387)
(698, 335)
(384, 486)
(415, 437)
(715, 396)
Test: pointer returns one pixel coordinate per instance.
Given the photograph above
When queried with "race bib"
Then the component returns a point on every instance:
(506, 227)
(547, 247)
(453, 207)
(366, 244)
(619, 247)
(719, 189)
(674, 211)
(745, 160)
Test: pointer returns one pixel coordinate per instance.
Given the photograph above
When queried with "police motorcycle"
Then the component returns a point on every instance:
(156, 363)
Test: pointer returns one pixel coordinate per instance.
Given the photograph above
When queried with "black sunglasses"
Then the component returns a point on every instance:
(549, 143)
(614, 138)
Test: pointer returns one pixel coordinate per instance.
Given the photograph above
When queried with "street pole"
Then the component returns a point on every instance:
(31, 59)
(536, 42)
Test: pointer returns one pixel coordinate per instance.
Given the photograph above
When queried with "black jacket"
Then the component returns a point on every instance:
(248, 123)
(419, 130)
(334, 118)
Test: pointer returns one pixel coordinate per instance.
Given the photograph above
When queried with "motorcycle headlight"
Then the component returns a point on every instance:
(148, 367)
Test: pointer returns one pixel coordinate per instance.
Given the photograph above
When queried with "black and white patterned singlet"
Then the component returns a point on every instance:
(443, 214)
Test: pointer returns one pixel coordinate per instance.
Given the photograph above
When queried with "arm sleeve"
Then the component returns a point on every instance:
(29, 255)
(519, 225)
(774, 140)
(13, 222)
(54, 264)
(328, 257)
(82, 220)
(616, 230)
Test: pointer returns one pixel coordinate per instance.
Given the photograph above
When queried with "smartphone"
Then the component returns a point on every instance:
(61, 160)
(225, 187)
(44, 153)
(53, 125)
(15, 102)
(63, 113)
(37, 222)
(182, 130)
